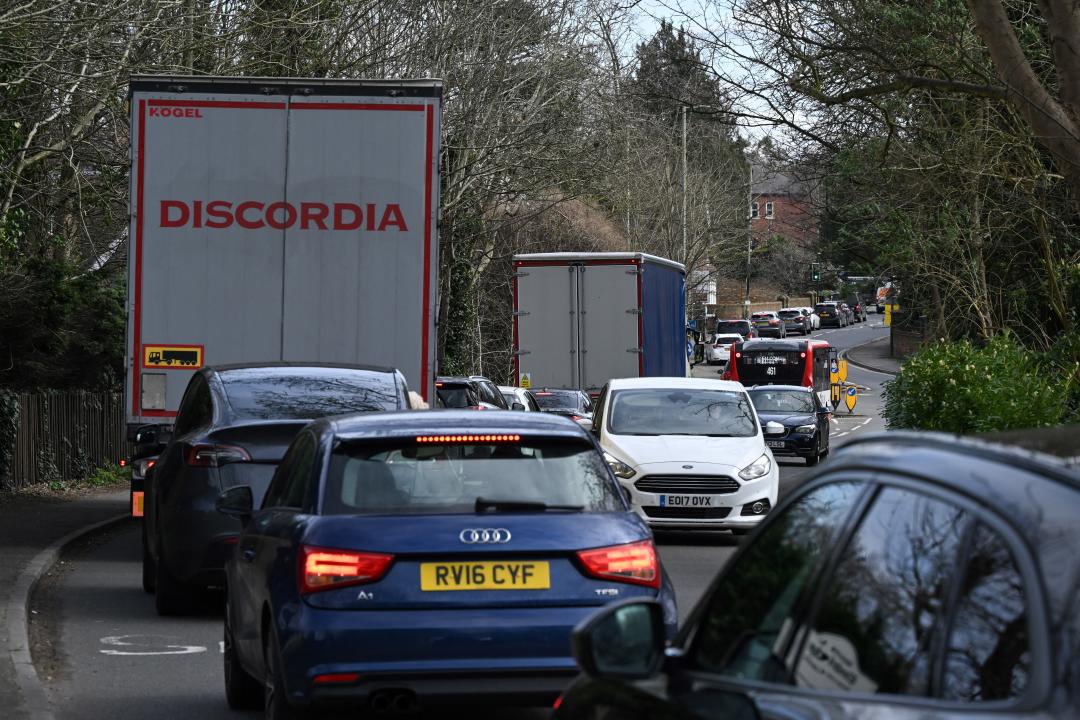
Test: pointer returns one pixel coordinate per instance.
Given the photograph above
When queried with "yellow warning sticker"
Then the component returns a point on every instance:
(175, 357)
(526, 381)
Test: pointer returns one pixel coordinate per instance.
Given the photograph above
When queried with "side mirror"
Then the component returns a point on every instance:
(517, 406)
(585, 423)
(237, 502)
(774, 428)
(624, 640)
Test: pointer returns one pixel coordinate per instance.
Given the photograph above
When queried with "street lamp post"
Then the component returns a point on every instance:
(749, 236)
(684, 247)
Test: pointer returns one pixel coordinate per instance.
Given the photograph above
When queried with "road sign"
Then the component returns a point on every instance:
(526, 380)
(834, 371)
(842, 369)
(173, 357)
(834, 395)
(851, 396)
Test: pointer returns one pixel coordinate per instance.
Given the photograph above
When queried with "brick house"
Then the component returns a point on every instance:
(781, 204)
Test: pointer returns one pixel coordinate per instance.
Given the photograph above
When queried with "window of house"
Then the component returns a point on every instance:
(769, 210)
(754, 210)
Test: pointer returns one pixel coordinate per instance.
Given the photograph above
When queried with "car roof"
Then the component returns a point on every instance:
(664, 383)
(289, 365)
(407, 423)
(952, 460)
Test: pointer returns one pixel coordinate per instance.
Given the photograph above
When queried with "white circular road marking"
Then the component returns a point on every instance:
(147, 645)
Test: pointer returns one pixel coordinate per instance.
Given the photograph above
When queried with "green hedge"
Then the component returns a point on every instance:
(964, 388)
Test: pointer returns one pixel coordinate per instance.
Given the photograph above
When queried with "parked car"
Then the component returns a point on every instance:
(232, 428)
(814, 319)
(805, 420)
(795, 321)
(413, 558)
(831, 315)
(719, 351)
(474, 392)
(574, 404)
(858, 307)
(689, 451)
(515, 396)
(914, 577)
(768, 324)
(744, 328)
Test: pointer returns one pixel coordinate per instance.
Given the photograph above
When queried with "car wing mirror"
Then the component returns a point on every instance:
(517, 406)
(585, 423)
(774, 428)
(237, 502)
(624, 640)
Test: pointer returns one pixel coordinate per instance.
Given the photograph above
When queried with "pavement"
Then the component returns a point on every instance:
(874, 356)
(33, 531)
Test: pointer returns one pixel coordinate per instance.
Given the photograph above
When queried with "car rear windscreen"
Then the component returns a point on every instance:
(790, 314)
(436, 477)
(557, 399)
(455, 396)
(735, 326)
(308, 393)
(824, 308)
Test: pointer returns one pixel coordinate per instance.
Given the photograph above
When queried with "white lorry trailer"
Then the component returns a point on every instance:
(581, 319)
(278, 220)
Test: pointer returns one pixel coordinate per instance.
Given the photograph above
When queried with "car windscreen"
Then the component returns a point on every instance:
(307, 393)
(439, 477)
(510, 398)
(681, 411)
(782, 401)
(455, 396)
(557, 399)
(735, 326)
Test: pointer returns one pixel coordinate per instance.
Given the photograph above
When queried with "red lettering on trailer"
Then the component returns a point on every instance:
(175, 112)
(281, 215)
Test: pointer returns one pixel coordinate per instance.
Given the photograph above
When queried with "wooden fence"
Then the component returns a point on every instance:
(65, 436)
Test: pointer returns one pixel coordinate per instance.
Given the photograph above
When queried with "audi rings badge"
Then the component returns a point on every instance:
(480, 536)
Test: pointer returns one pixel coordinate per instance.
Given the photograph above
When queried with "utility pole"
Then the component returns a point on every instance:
(749, 236)
(684, 251)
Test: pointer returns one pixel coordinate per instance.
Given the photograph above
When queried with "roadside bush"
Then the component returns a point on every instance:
(964, 388)
(108, 475)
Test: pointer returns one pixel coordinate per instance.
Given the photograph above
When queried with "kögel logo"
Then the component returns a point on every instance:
(479, 536)
(253, 215)
(175, 112)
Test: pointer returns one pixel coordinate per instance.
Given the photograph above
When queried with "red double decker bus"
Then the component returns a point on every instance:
(783, 362)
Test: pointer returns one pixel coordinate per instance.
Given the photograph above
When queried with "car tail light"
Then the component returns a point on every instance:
(214, 455)
(633, 563)
(337, 678)
(327, 568)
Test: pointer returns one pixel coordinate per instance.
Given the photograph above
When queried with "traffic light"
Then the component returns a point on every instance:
(815, 272)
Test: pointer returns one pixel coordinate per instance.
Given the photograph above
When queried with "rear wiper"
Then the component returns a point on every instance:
(483, 504)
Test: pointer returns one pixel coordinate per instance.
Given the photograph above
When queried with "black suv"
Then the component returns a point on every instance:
(475, 392)
(858, 307)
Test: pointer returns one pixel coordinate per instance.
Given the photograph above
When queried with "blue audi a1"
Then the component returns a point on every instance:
(405, 557)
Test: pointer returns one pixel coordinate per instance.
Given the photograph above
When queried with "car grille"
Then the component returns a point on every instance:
(688, 484)
(688, 513)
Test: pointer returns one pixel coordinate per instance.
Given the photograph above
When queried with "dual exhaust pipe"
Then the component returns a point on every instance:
(394, 702)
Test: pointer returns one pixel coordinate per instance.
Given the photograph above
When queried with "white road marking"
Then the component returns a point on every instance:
(149, 644)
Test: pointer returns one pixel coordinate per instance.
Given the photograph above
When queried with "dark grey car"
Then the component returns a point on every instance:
(233, 427)
(915, 577)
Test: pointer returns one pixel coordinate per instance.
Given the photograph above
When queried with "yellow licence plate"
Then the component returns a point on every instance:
(486, 575)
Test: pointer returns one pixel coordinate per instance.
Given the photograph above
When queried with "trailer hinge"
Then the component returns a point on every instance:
(521, 274)
(636, 351)
(519, 353)
(521, 313)
(635, 271)
(634, 311)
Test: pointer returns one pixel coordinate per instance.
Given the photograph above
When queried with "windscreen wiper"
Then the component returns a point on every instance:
(484, 504)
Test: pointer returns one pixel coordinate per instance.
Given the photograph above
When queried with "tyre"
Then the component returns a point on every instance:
(171, 597)
(812, 460)
(275, 702)
(242, 691)
(149, 568)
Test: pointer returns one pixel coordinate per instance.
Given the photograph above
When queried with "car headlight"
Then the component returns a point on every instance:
(756, 469)
(806, 429)
(621, 469)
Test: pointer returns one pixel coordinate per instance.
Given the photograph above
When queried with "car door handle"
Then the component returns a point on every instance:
(248, 555)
